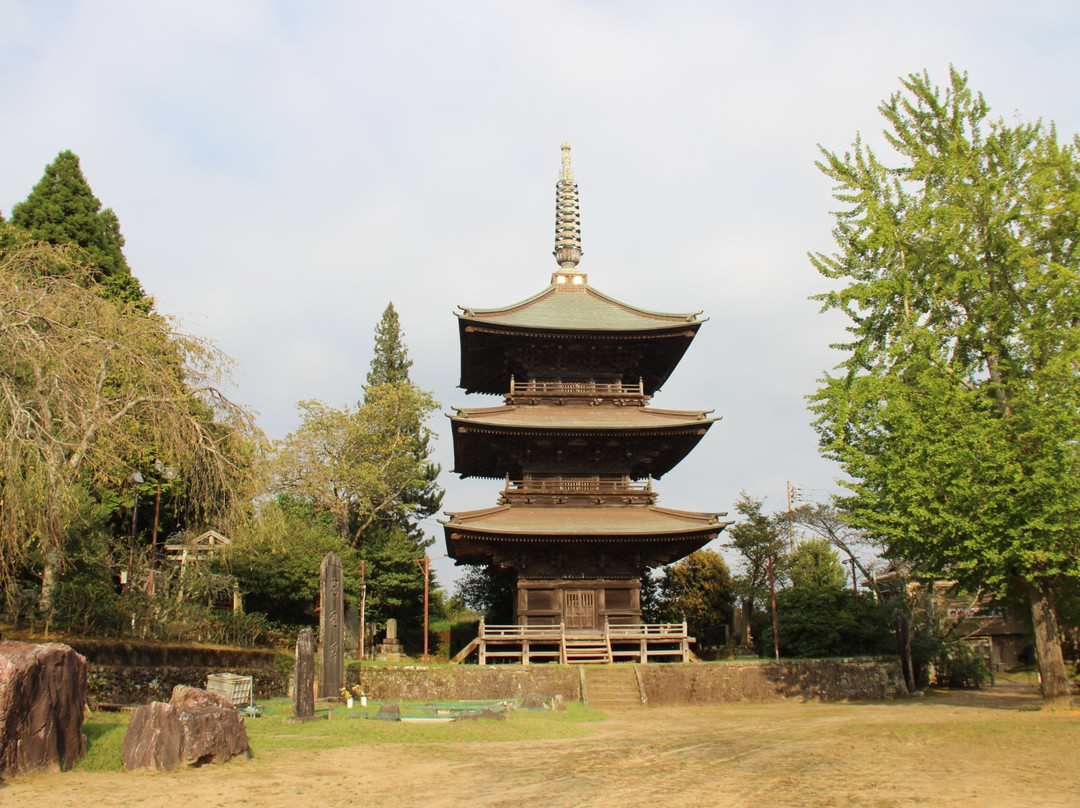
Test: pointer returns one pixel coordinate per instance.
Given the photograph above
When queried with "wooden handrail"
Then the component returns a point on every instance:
(588, 387)
(585, 484)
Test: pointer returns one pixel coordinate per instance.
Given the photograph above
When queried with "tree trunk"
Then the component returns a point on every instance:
(50, 575)
(903, 649)
(1056, 689)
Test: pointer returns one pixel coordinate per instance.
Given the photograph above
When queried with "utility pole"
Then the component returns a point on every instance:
(363, 606)
(424, 567)
(772, 597)
(794, 494)
(854, 581)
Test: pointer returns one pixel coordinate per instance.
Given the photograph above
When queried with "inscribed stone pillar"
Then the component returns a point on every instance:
(331, 628)
(304, 672)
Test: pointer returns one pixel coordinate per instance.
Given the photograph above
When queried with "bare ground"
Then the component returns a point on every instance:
(991, 748)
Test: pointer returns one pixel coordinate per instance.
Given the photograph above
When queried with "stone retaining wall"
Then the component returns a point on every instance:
(122, 672)
(464, 682)
(132, 684)
(758, 681)
(664, 684)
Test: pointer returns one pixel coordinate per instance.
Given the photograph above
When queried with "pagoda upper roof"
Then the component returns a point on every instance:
(574, 418)
(578, 307)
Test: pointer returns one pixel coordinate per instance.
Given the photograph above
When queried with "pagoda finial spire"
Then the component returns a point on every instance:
(567, 223)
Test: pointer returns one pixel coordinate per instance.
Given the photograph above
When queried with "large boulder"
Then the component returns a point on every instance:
(42, 698)
(195, 727)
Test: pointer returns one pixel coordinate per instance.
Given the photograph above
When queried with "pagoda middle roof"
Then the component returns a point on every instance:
(572, 418)
(578, 307)
(627, 522)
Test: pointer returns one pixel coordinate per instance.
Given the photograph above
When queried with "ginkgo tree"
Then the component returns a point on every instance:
(956, 409)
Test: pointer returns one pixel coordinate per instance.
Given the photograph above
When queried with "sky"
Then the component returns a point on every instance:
(283, 170)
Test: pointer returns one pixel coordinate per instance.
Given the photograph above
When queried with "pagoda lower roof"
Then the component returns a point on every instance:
(578, 307)
(566, 540)
(571, 418)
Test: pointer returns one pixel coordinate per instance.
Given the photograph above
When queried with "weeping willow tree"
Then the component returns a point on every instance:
(90, 389)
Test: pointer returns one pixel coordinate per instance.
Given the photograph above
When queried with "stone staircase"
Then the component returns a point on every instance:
(612, 688)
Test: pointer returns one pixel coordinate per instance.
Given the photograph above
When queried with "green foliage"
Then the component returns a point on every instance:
(390, 363)
(359, 465)
(62, 209)
(957, 412)
(652, 601)
(959, 666)
(698, 589)
(816, 565)
(490, 592)
(276, 559)
(757, 539)
(91, 390)
(821, 622)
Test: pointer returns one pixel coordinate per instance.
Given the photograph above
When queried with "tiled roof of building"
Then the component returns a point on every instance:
(572, 417)
(622, 521)
(578, 308)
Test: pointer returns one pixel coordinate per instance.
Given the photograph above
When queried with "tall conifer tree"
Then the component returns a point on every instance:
(391, 363)
(62, 209)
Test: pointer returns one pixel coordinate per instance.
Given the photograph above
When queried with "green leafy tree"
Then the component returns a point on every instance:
(698, 589)
(825, 621)
(489, 592)
(758, 539)
(390, 365)
(276, 559)
(815, 564)
(956, 413)
(62, 209)
(358, 464)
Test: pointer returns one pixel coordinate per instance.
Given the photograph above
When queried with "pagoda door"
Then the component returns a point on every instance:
(580, 609)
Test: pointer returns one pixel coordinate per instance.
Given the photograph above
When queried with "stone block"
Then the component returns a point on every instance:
(195, 727)
(42, 698)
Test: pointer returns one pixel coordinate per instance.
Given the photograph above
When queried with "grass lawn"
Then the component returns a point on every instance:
(339, 727)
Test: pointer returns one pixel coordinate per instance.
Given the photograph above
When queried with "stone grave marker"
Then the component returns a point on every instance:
(391, 647)
(304, 674)
(331, 628)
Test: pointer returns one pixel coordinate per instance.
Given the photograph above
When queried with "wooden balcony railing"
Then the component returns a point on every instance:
(533, 387)
(582, 484)
(641, 642)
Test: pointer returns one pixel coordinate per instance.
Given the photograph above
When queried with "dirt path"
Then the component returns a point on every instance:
(978, 749)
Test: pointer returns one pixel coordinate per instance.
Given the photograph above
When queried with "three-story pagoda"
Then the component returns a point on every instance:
(575, 441)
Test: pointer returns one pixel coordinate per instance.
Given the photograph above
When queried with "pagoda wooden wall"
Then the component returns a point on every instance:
(582, 603)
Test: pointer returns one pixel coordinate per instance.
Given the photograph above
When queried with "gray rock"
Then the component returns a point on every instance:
(195, 727)
(42, 698)
(213, 729)
(389, 711)
(534, 701)
(482, 714)
(154, 738)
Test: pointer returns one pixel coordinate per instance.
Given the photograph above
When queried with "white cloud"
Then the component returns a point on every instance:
(281, 171)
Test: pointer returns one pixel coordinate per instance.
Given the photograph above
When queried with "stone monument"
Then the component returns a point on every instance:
(304, 687)
(331, 628)
(390, 648)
